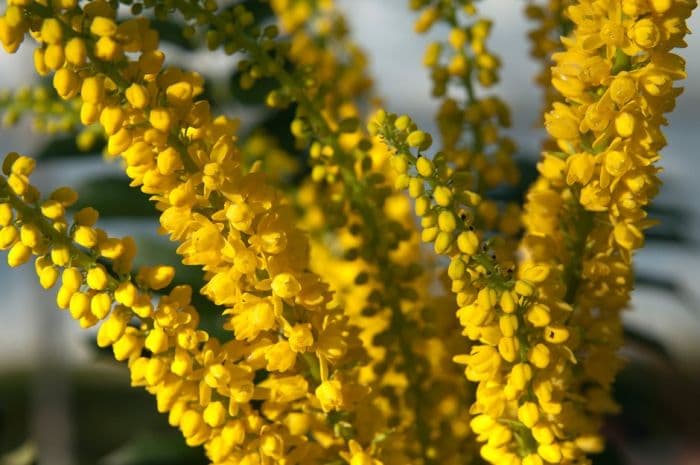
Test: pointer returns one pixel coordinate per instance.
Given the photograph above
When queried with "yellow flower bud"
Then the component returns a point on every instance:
(89, 113)
(538, 315)
(6, 214)
(126, 294)
(429, 234)
(457, 269)
(106, 49)
(159, 277)
(79, 305)
(129, 344)
(75, 51)
(403, 122)
(71, 278)
(18, 255)
(85, 236)
(447, 221)
(661, 6)
(103, 27)
(550, 452)
(179, 93)
(67, 83)
(54, 56)
(215, 414)
(8, 236)
(97, 278)
(422, 206)
(624, 124)
(457, 38)
(100, 305)
(60, 254)
(532, 459)
(112, 119)
(111, 248)
(432, 54)
(556, 334)
(30, 235)
(160, 119)
(468, 242)
(539, 356)
(508, 348)
(426, 19)
(528, 414)
(40, 62)
(53, 210)
(51, 31)
(442, 196)
(508, 324)
(48, 276)
(443, 242)
(416, 186)
(137, 96)
(628, 236)
(156, 341)
(93, 89)
(424, 167)
(507, 302)
(419, 139)
(520, 375)
(524, 288)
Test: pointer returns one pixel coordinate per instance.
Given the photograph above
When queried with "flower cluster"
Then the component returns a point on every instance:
(583, 218)
(287, 339)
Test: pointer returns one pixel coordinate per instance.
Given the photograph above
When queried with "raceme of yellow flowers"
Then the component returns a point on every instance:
(348, 341)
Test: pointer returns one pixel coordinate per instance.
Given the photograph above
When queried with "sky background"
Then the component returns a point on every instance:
(32, 328)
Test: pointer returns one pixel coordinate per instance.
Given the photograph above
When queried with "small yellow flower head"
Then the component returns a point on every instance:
(419, 139)
(442, 196)
(19, 255)
(539, 356)
(51, 31)
(67, 83)
(329, 394)
(301, 338)
(75, 51)
(103, 27)
(285, 285)
(214, 414)
(161, 119)
(137, 96)
(100, 305)
(424, 167)
(97, 278)
(468, 242)
(107, 49)
(157, 277)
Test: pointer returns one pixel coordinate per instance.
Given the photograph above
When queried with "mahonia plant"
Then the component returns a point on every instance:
(344, 340)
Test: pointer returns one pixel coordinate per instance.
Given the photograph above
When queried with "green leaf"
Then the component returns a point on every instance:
(163, 449)
(112, 197)
(64, 146)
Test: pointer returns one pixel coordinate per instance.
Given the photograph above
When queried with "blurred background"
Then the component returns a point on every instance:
(63, 402)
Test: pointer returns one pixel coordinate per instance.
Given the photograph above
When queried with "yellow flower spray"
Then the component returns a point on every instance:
(339, 336)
